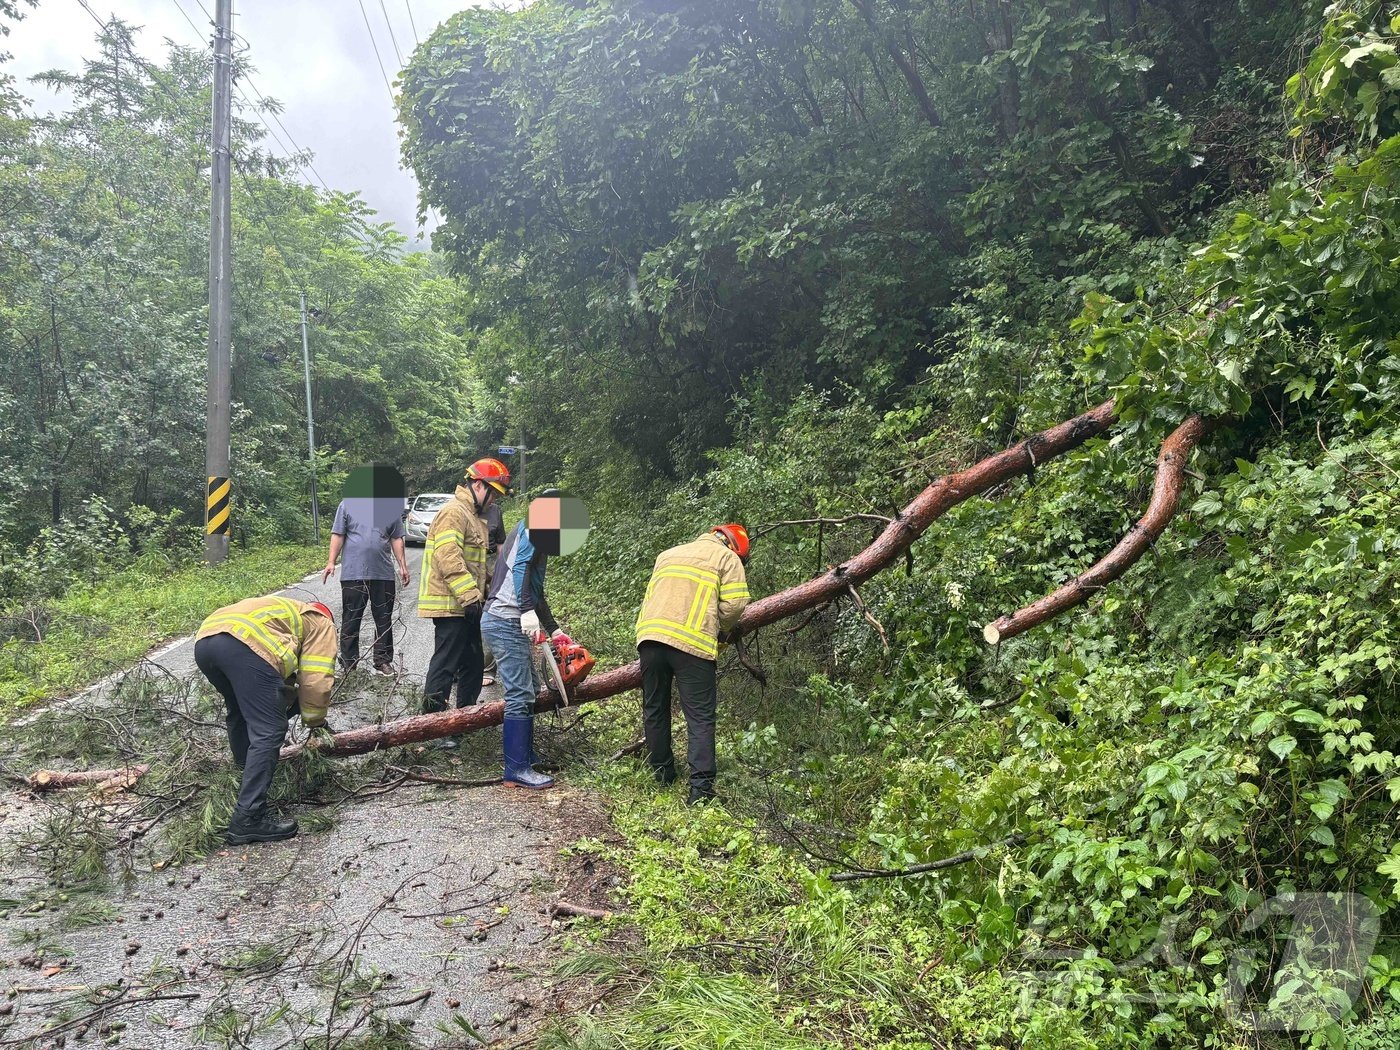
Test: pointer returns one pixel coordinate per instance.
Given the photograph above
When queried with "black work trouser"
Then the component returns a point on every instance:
(457, 659)
(256, 715)
(662, 664)
(380, 596)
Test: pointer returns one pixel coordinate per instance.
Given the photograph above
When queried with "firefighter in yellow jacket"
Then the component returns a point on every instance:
(696, 594)
(452, 586)
(267, 657)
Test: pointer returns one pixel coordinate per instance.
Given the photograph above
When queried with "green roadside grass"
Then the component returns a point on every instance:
(96, 628)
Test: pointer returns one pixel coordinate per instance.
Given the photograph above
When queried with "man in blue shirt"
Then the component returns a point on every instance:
(516, 617)
(370, 534)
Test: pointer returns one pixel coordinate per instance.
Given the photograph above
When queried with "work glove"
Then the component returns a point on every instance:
(530, 626)
(560, 639)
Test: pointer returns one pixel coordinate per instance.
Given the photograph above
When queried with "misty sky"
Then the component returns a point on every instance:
(314, 56)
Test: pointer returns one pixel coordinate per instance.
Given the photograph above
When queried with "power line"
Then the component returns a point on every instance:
(392, 39)
(409, 9)
(295, 151)
(375, 44)
(254, 197)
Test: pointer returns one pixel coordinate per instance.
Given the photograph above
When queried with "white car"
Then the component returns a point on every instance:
(422, 509)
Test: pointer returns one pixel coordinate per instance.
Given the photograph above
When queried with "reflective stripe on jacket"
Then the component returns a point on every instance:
(696, 593)
(453, 574)
(295, 639)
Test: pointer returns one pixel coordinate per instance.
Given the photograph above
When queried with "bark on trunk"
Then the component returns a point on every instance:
(1166, 494)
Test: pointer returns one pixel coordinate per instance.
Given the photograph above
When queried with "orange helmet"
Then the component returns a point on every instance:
(492, 471)
(323, 609)
(737, 537)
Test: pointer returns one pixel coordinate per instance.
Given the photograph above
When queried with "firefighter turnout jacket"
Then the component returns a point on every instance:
(453, 575)
(298, 641)
(696, 593)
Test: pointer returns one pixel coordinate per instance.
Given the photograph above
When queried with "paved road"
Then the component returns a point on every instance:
(422, 889)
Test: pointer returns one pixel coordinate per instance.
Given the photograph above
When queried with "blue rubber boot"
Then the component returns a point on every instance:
(517, 738)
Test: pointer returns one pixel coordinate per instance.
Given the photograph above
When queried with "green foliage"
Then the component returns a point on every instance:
(103, 296)
(661, 207)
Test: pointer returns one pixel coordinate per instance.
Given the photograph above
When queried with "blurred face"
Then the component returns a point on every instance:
(484, 494)
(558, 523)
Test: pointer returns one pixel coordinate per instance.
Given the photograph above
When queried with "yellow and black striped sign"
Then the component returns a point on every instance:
(216, 507)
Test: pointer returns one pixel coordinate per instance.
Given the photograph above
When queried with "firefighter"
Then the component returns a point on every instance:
(268, 658)
(452, 587)
(696, 594)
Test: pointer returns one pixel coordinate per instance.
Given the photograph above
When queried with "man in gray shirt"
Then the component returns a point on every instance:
(369, 532)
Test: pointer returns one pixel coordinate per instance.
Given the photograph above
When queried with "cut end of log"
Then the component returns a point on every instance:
(990, 634)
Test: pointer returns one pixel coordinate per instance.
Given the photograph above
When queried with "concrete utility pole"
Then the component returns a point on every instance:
(218, 440)
(310, 422)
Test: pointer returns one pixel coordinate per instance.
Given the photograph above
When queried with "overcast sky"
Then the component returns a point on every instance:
(315, 56)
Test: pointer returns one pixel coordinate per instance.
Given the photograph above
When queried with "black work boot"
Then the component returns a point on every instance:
(701, 795)
(243, 829)
(665, 773)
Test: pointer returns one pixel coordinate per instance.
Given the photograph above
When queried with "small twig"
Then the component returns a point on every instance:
(804, 621)
(860, 604)
(757, 672)
(426, 778)
(820, 522)
(104, 1008)
(426, 993)
(634, 748)
(919, 869)
(566, 908)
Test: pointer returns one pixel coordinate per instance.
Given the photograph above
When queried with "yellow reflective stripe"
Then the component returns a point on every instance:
(734, 590)
(280, 651)
(672, 626)
(282, 607)
(686, 572)
(439, 601)
(462, 585)
(446, 534)
(676, 630)
(325, 664)
(704, 594)
(256, 629)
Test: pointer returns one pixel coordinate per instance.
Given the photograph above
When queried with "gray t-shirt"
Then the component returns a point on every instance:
(367, 525)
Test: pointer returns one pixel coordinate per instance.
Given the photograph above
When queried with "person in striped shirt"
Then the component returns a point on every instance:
(267, 657)
(697, 592)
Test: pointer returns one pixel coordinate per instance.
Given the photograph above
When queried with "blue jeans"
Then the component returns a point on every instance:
(513, 664)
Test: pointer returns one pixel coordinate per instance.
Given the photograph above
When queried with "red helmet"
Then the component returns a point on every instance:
(492, 471)
(737, 538)
(323, 609)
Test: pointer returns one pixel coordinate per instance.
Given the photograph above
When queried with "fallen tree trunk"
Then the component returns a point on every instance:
(888, 548)
(59, 779)
(1166, 494)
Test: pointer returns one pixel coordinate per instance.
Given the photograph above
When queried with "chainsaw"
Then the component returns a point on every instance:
(568, 665)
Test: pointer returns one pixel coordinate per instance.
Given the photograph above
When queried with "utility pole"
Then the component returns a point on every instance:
(310, 422)
(218, 440)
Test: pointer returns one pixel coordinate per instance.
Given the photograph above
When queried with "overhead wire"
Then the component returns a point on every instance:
(409, 9)
(375, 44)
(293, 153)
(392, 39)
(159, 80)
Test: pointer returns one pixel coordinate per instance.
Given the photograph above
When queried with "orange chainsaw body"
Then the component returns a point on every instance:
(574, 662)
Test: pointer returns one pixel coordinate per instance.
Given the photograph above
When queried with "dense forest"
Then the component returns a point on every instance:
(786, 262)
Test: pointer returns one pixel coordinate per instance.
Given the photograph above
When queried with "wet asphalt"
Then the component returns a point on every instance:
(426, 896)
